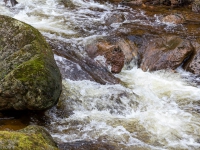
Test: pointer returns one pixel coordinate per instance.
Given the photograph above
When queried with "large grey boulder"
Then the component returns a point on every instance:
(29, 76)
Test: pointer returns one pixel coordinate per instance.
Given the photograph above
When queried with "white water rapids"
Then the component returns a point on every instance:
(158, 110)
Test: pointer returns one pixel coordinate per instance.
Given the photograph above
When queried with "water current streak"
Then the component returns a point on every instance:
(158, 110)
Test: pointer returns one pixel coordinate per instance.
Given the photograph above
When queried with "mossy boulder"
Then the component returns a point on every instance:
(30, 138)
(30, 78)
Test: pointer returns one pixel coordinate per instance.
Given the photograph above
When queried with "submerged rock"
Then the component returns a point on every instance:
(30, 138)
(30, 78)
(165, 53)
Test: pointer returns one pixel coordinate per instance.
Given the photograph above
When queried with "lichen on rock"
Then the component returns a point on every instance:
(30, 78)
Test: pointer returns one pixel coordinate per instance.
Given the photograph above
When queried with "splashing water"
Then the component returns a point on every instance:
(155, 114)
(157, 110)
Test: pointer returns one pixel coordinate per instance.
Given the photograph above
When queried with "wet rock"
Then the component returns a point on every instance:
(196, 6)
(16, 120)
(89, 145)
(30, 78)
(193, 63)
(175, 19)
(13, 2)
(145, 3)
(114, 18)
(164, 53)
(176, 2)
(173, 3)
(130, 50)
(31, 137)
(72, 70)
(133, 2)
(116, 60)
(112, 1)
(180, 2)
(165, 2)
(68, 3)
(81, 67)
(91, 50)
(113, 55)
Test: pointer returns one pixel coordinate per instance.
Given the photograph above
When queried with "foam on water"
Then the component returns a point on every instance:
(152, 110)
(91, 3)
(153, 104)
(83, 20)
(163, 98)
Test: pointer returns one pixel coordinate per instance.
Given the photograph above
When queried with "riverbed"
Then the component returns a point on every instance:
(151, 110)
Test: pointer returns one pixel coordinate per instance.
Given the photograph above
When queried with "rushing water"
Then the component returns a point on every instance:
(158, 110)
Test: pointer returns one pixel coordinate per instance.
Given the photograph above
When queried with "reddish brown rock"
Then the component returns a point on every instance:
(175, 19)
(113, 54)
(165, 53)
(116, 55)
(129, 49)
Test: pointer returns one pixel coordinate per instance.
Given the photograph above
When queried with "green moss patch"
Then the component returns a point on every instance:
(30, 138)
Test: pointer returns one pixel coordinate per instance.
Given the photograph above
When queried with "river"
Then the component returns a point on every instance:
(151, 110)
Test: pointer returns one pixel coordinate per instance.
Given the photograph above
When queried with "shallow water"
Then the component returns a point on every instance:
(158, 110)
